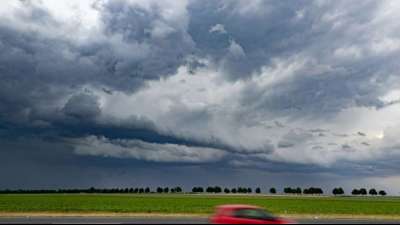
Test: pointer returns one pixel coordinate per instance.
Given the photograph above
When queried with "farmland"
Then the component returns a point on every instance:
(197, 204)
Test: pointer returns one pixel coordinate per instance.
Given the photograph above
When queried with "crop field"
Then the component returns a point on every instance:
(196, 204)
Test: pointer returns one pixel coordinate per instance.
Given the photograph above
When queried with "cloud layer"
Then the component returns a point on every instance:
(309, 86)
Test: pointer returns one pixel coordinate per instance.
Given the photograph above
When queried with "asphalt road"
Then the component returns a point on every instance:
(125, 220)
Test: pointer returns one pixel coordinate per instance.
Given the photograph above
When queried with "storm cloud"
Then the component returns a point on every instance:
(280, 87)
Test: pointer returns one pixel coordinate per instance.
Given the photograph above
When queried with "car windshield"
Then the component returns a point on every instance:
(253, 214)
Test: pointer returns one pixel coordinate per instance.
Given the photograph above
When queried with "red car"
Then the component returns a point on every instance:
(245, 214)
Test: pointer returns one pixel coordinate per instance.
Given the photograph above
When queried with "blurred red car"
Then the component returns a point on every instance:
(245, 214)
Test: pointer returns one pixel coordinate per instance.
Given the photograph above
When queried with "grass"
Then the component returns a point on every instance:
(196, 204)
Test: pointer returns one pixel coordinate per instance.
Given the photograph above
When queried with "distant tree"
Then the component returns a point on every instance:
(234, 191)
(335, 191)
(363, 191)
(227, 191)
(382, 193)
(258, 190)
(298, 191)
(177, 190)
(217, 189)
(338, 191)
(313, 191)
(272, 191)
(288, 190)
(249, 190)
(373, 192)
(210, 190)
(141, 190)
(356, 192)
(159, 190)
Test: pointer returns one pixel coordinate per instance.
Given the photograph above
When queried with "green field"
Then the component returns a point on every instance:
(196, 204)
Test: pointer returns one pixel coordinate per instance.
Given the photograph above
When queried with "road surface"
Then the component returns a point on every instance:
(125, 220)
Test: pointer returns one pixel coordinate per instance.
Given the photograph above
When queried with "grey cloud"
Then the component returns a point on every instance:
(313, 37)
(317, 148)
(293, 138)
(318, 131)
(259, 44)
(146, 151)
(165, 44)
(285, 144)
(83, 106)
(279, 124)
(366, 144)
(49, 68)
(362, 134)
(341, 135)
(279, 62)
(347, 147)
(35, 74)
(50, 169)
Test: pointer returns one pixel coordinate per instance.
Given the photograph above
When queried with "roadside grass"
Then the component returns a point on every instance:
(196, 204)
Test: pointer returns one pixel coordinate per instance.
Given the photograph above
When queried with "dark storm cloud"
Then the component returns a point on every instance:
(271, 29)
(50, 69)
(144, 45)
(35, 75)
(82, 106)
(160, 46)
(281, 30)
(47, 168)
(259, 37)
(50, 165)
(277, 63)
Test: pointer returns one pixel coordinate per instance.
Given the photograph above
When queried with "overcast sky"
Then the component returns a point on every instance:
(115, 93)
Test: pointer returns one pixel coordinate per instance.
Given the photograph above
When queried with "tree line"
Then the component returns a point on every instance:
(146, 190)
(198, 190)
(372, 192)
(336, 191)
(217, 190)
(307, 191)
